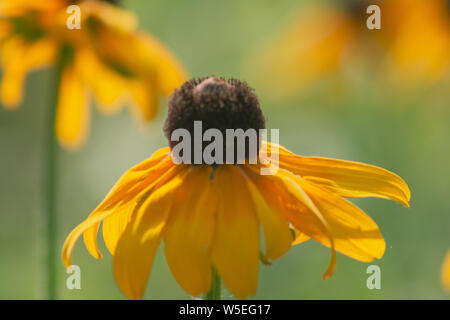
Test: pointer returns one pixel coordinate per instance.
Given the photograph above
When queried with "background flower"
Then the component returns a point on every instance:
(108, 56)
(328, 42)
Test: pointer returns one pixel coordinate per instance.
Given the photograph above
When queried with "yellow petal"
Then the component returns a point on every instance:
(111, 15)
(114, 225)
(106, 210)
(235, 251)
(107, 85)
(445, 274)
(285, 196)
(150, 61)
(131, 188)
(346, 178)
(355, 234)
(18, 59)
(136, 179)
(72, 238)
(277, 235)
(72, 114)
(133, 261)
(144, 98)
(137, 246)
(190, 231)
(170, 72)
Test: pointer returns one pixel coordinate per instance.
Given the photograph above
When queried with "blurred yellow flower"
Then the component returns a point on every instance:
(419, 38)
(107, 56)
(309, 47)
(209, 216)
(445, 274)
(325, 41)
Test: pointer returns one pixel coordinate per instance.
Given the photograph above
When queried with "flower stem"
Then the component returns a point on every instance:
(50, 187)
(216, 288)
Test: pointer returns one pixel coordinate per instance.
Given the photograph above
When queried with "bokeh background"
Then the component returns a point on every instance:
(403, 128)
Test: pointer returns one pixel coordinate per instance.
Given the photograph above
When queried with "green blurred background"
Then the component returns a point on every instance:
(405, 131)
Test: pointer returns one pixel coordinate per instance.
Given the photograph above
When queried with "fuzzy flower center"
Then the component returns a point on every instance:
(215, 103)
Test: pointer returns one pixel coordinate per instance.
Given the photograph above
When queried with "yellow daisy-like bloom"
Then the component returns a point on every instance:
(445, 273)
(323, 41)
(209, 216)
(108, 56)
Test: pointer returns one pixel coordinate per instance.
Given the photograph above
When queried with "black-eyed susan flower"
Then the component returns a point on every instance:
(445, 273)
(209, 215)
(330, 40)
(108, 56)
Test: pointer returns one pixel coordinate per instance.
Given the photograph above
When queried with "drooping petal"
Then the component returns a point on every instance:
(133, 261)
(72, 113)
(190, 232)
(355, 234)
(235, 250)
(132, 187)
(114, 225)
(346, 178)
(285, 196)
(72, 238)
(136, 178)
(159, 174)
(277, 235)
(137, 246)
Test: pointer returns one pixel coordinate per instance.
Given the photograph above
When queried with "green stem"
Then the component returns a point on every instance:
(216, 288)
(51, 169)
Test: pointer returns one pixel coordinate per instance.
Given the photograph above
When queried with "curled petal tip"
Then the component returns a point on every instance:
(66, 260)
(99, 256)
(407, 197)
(331, 266)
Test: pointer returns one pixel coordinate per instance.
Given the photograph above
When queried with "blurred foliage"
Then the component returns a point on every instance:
(405, 131)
